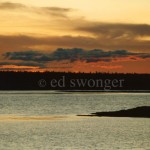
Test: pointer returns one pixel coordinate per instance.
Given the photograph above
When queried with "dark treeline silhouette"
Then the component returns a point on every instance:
(10, 80)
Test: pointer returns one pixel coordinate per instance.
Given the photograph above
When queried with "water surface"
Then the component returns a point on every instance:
(48, 121)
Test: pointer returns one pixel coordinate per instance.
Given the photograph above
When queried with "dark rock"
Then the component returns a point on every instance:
(140, 112)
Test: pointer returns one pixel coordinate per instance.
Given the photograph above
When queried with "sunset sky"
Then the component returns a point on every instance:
(73, 35)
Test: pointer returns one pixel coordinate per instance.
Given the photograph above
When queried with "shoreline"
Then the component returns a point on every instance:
(138, 112)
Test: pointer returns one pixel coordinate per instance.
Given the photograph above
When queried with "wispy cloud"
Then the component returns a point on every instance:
(116, 30)
(53, 11)
(9, 5)
(23, 42)
(80, 32)
(24, 63)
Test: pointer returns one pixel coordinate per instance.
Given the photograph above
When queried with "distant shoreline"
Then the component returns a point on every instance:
(74, 91)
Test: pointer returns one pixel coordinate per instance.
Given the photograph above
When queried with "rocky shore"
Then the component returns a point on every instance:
(140, 112)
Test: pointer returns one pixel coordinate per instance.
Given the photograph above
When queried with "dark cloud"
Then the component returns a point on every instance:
(117, 35)
(113, 31)
(144, 56)
(75, 54)
(29, 55)
(22, 42)
(9, 5)
(25, 55)
(11, 43)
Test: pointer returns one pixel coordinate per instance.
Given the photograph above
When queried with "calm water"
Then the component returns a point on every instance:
(48, 121)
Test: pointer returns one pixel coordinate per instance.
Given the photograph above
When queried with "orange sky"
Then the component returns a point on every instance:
(32, 31)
